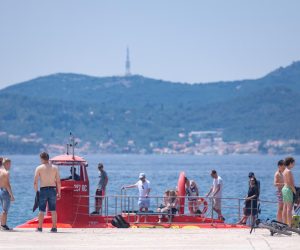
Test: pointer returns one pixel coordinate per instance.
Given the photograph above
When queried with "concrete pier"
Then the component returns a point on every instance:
(157, 238)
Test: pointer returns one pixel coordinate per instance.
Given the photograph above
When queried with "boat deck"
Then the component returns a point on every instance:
(135, 238)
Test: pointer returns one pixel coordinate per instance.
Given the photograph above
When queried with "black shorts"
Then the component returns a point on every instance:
(173, 210)
(248, 211)
(47, 196)
(99, 192)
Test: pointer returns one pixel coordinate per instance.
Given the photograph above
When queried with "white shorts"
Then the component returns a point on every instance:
(217, 203)
(145, 203)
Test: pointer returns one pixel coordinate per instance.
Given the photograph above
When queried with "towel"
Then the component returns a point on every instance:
(36, 201)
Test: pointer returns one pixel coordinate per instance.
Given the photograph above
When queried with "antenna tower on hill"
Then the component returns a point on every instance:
(127, 64)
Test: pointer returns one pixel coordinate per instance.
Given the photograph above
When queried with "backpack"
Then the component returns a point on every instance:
(119, 222)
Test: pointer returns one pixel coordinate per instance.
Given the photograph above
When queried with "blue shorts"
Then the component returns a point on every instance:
(144, 203)
(4, 200)
(47, 195)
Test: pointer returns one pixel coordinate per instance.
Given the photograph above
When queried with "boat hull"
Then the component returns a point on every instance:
(94, 221)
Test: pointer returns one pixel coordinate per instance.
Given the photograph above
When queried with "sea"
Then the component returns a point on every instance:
(162, 171)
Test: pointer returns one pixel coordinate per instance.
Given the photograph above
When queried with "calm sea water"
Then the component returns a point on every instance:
(162, 171)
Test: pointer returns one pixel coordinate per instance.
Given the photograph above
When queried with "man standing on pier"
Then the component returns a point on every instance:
(288, 190)
(50, 187)
(279, 183)
(6, 195)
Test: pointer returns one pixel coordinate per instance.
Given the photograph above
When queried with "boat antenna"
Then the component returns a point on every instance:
(68, 148)
(72, 144)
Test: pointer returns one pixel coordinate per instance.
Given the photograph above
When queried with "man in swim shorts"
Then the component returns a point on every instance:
(6, 195)
(50, 187)
(288, 190)
(279, 183)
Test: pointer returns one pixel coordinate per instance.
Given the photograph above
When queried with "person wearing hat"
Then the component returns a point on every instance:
(251, 175)
(100, 192)
(143, 186)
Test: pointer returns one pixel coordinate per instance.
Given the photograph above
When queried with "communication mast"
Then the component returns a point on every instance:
(127, 64)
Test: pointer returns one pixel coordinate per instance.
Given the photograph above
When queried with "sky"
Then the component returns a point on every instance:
(190, 41)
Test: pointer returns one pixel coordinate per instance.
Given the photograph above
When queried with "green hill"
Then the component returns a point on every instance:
(145, 110)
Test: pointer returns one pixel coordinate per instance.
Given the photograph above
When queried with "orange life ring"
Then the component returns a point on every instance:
(202, 201)
(181, 192)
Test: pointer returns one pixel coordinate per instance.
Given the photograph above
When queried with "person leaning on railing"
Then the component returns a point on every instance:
(143, 186)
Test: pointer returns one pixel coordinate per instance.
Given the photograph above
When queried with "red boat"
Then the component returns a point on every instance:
(73, 208)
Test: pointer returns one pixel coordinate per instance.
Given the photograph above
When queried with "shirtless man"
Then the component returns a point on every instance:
(6, 195)
(288, 190)
(50, 186)
(279, 183)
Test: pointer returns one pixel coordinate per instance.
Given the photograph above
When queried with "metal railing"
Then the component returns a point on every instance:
(232, 208)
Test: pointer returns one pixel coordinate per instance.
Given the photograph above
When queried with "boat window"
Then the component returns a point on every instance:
(70, 173)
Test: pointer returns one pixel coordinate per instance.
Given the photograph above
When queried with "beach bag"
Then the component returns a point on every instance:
(296, 221)
(296, 197)
(119, 222)
(36, 201)
(296, 218)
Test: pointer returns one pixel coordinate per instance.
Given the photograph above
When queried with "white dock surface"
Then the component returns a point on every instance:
(183, 239)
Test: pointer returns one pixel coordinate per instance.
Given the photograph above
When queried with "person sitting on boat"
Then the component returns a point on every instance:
(163, 206)
(143, 186)
(164, 201)
(100, 192)
(192, 193)
(250, 208)
(74, 176)
(170, 203)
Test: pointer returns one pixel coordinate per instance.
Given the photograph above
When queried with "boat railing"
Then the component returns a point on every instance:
(127, 205)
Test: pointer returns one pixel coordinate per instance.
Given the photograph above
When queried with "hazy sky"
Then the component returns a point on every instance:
(187, 41)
